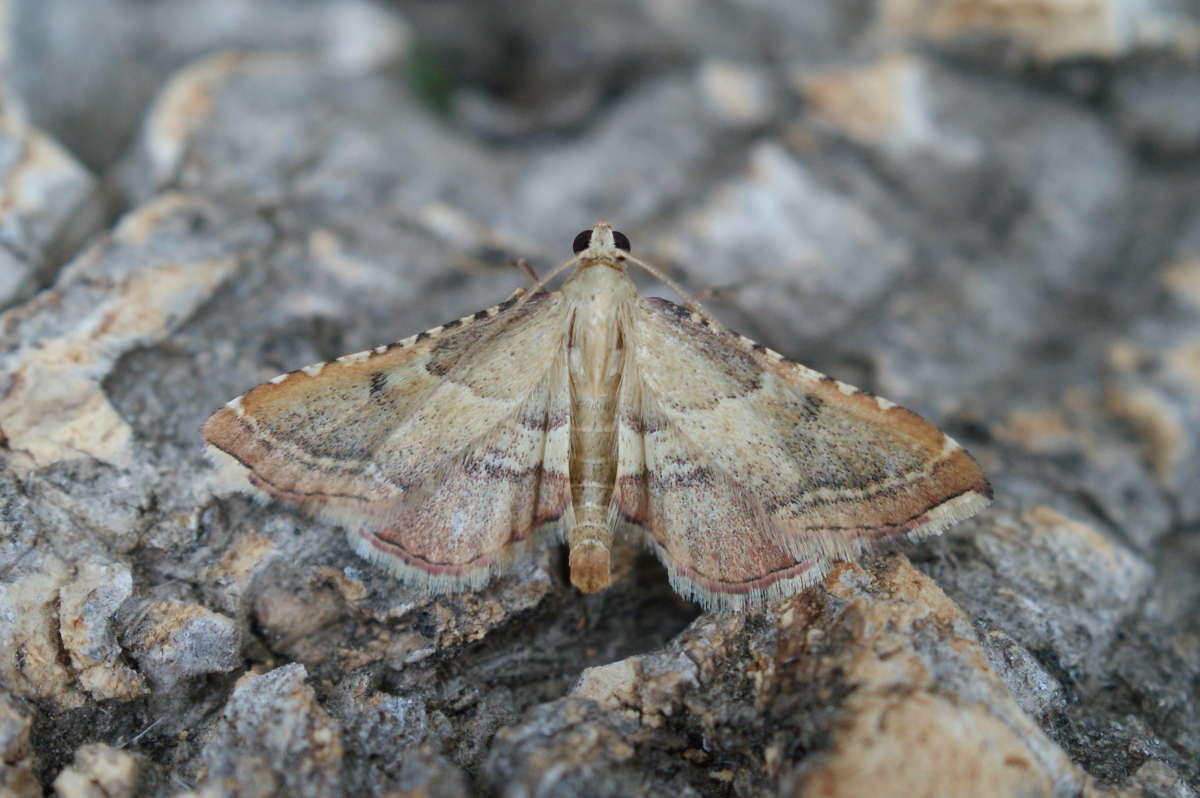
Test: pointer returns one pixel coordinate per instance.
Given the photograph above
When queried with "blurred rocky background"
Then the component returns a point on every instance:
(988, 210)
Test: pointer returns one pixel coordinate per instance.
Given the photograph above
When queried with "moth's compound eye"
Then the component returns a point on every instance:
(581, 241)
(621, 240)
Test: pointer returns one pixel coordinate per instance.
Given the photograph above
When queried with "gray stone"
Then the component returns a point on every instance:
(64, 57)
(1146, 100)
(51, 205)
(273, 738)
(173, 641)
(17, 777)
(88, 606)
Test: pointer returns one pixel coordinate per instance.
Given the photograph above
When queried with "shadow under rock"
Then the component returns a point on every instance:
(542, 653)
(536, 657)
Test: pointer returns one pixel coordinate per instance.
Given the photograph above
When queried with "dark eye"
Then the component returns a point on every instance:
(621, 240)
(581, 241)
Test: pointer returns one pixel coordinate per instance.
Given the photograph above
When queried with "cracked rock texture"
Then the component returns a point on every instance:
(986, 210)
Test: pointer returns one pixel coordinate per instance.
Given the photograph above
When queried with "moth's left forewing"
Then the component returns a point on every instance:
(719, 547)
(830, 468)
(886, 470)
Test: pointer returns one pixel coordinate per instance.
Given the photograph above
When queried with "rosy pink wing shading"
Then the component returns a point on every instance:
(784, 469)
(437, 454)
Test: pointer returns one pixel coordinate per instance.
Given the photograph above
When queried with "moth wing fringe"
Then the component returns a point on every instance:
(721, 601)
(838, 545)
(948, 513)
(434, 584)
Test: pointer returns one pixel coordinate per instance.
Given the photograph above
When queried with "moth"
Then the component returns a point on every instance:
(593, 411)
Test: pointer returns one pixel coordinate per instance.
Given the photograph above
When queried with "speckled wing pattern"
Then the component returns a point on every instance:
(749, 474)
(439, 454)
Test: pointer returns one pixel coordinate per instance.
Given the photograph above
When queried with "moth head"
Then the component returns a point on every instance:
(601, 244)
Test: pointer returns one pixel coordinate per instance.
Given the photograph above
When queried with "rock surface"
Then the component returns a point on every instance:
(986, 211)
(51, 205)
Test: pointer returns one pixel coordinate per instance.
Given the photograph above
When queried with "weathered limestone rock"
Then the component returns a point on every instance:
(51, 206)
(99, 772)
(985, 211)
(17, 763)
(1050, 29)
(272, 738)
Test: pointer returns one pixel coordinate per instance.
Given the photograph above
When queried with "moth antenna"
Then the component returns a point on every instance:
(689, 301)
(524, 266)
(540, 284)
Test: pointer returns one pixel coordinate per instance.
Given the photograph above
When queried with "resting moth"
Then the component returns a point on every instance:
(592, 410)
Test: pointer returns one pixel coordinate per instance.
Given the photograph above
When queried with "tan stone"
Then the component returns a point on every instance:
(17, 763)
(99, 771)
(1046, 29)
(56, 409)
(926, 715)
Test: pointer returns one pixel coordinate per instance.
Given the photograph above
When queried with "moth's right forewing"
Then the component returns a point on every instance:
(466, 518)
